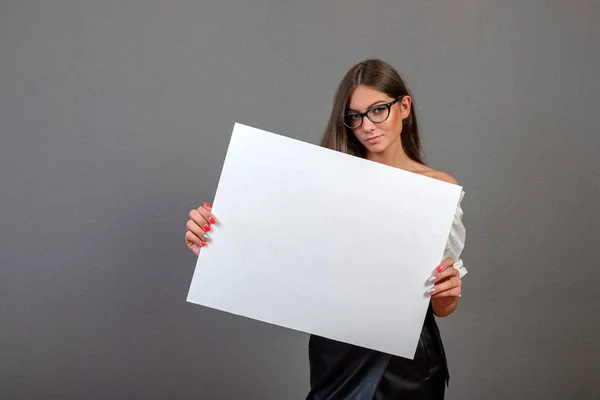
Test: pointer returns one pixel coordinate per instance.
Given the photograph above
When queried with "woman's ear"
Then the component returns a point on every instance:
(405, 104)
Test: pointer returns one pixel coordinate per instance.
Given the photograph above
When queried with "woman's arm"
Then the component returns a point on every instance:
(448, 284)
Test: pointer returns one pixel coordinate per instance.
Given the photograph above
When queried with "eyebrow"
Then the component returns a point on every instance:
(371, 105)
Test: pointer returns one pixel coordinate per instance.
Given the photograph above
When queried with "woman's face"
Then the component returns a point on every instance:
(377, 137)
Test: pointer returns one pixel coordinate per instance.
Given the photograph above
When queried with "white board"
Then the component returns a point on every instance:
(323, 242)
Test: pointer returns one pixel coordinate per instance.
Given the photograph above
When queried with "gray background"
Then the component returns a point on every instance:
(115, 118)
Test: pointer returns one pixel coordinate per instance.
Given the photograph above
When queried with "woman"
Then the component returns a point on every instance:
(373, 117)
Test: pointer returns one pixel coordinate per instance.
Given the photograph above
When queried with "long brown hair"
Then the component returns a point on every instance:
(382, 77)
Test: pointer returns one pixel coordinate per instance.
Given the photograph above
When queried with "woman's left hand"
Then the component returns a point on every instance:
(447, 288)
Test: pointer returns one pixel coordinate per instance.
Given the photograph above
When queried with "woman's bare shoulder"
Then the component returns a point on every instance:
(432, 173)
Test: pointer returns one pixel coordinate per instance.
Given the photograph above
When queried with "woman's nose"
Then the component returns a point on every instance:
(368, 125)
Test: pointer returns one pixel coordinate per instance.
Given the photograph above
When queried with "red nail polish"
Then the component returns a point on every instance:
(206, 228)
(207, 206)
(212, 220)
(440, 268)
(202, 243)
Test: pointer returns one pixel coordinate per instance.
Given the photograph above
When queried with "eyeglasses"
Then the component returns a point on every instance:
(376, 114)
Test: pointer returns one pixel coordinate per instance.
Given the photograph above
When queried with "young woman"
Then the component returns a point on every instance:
(373, 117)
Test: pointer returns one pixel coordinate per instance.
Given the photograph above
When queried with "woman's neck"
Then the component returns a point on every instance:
(394, 156)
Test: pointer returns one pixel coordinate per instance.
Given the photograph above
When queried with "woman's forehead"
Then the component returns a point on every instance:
(363, 97)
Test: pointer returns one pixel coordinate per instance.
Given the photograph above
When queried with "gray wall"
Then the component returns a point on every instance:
(114, 121)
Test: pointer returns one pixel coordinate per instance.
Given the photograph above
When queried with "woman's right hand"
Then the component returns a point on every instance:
(200, 222)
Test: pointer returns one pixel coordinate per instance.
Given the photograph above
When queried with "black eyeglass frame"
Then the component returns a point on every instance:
(366, 113)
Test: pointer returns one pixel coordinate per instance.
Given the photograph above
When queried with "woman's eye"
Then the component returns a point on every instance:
(378, 110)
(353, 116)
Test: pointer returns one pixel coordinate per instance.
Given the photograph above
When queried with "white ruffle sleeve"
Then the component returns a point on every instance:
(456, 240)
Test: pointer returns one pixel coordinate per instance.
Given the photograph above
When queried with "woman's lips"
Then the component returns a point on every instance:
(373, 139)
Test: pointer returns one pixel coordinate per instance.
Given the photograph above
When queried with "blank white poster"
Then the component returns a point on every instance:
(323, 242)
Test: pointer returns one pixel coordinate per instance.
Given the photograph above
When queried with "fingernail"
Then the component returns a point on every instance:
(207, 206)
(432, 279)
(206, 237)
(206, 227)
(212, 220)
(431, 290)
(202, 243)
(440, 268)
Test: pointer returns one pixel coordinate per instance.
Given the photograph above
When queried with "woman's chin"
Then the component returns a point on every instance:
(375, 147)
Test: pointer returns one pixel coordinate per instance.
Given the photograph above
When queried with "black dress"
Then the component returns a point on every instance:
(344, 371)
